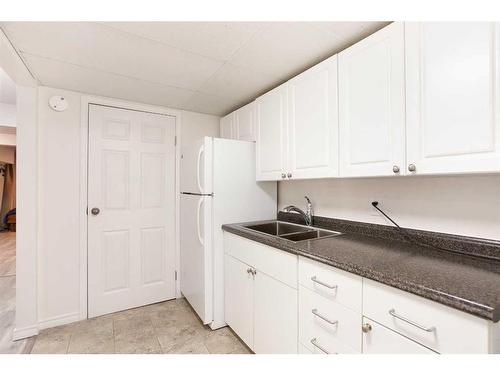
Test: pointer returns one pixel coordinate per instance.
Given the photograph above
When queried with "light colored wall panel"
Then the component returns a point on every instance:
(466, 205)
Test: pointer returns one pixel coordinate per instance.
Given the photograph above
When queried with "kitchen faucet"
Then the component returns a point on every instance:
(307, 216)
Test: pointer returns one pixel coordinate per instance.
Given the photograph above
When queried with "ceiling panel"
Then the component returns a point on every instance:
(350, 30)
(96, 46)
(283, 49)
(218, 40)
(210, 67)
(74, 77)
(210, 104)
(238, 83)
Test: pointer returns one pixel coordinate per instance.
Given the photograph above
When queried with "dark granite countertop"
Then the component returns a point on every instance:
(465, 282)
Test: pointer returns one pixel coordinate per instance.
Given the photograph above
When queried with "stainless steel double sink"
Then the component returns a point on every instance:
(291, 232)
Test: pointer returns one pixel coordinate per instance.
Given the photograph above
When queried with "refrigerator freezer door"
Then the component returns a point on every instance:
(196, 254)
(196, 167)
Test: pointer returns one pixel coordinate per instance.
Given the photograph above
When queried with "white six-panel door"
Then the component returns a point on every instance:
(372, 105)
(131, 181)
(452, 87)
(313, 122)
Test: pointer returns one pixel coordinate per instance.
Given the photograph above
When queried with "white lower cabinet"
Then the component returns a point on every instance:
(275, 316)
(239, 292)
(381, 340)
(277, 302)
(261, 295)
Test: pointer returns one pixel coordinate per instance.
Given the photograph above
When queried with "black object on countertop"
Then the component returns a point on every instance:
(375, 204)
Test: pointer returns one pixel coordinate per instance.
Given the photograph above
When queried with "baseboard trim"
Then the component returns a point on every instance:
(25, 332)
(59, 320)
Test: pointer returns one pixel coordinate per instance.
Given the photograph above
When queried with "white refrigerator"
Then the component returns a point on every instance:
(217, 187)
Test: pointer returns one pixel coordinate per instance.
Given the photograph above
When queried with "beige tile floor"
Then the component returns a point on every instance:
(8, 297)
(167, 327)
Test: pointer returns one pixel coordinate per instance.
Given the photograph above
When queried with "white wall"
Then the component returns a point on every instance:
(7, 155)
(59, 197)
(466, 205)
(197, 125)
(26, 189)
(7, 139)
(59, 210)
(7, 114)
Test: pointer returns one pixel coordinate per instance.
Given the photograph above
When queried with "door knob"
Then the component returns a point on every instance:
(412, 168)
(95, 211)
(366, 328)
(395, 169)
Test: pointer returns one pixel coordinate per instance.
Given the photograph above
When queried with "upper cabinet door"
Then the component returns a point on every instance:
(372, 105)
(452, 84)
(244, 123)
(313, 122)
(271, 123)
(227, 127)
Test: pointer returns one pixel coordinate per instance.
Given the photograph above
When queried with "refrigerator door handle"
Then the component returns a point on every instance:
(198, 226)
(200, 152)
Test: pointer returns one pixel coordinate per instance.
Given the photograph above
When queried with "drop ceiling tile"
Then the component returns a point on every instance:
(350, 32)
(218, 40)
(284, 49)
(209, 104)
(238, 83)
(72, 77)
(97, 46)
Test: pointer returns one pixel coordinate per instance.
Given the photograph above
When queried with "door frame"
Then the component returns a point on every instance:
(86, 101)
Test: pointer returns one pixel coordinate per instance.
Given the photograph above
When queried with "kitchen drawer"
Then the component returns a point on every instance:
(440, 328)
(275, 263)
(346, 330)
(333, 347)
(381, 340)
(345, 288)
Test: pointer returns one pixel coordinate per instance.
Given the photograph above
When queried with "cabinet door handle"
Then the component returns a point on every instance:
(314, 341)
(283, 175)
(289, 175)
(412, 168)
(426, 329)
(332, 322)
(315, 280)
(395, 169)
(367, 327)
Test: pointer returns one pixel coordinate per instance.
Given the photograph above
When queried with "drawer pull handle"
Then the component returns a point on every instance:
(426, 329)
(315, 312)
(315, 280)
(315, 343)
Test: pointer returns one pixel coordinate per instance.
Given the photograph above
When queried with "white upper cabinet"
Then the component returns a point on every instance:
(313, 122)
(239, 124)
(372, 105)
(227, 127)
(244, 123)
(271, 126)
(452, 83)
